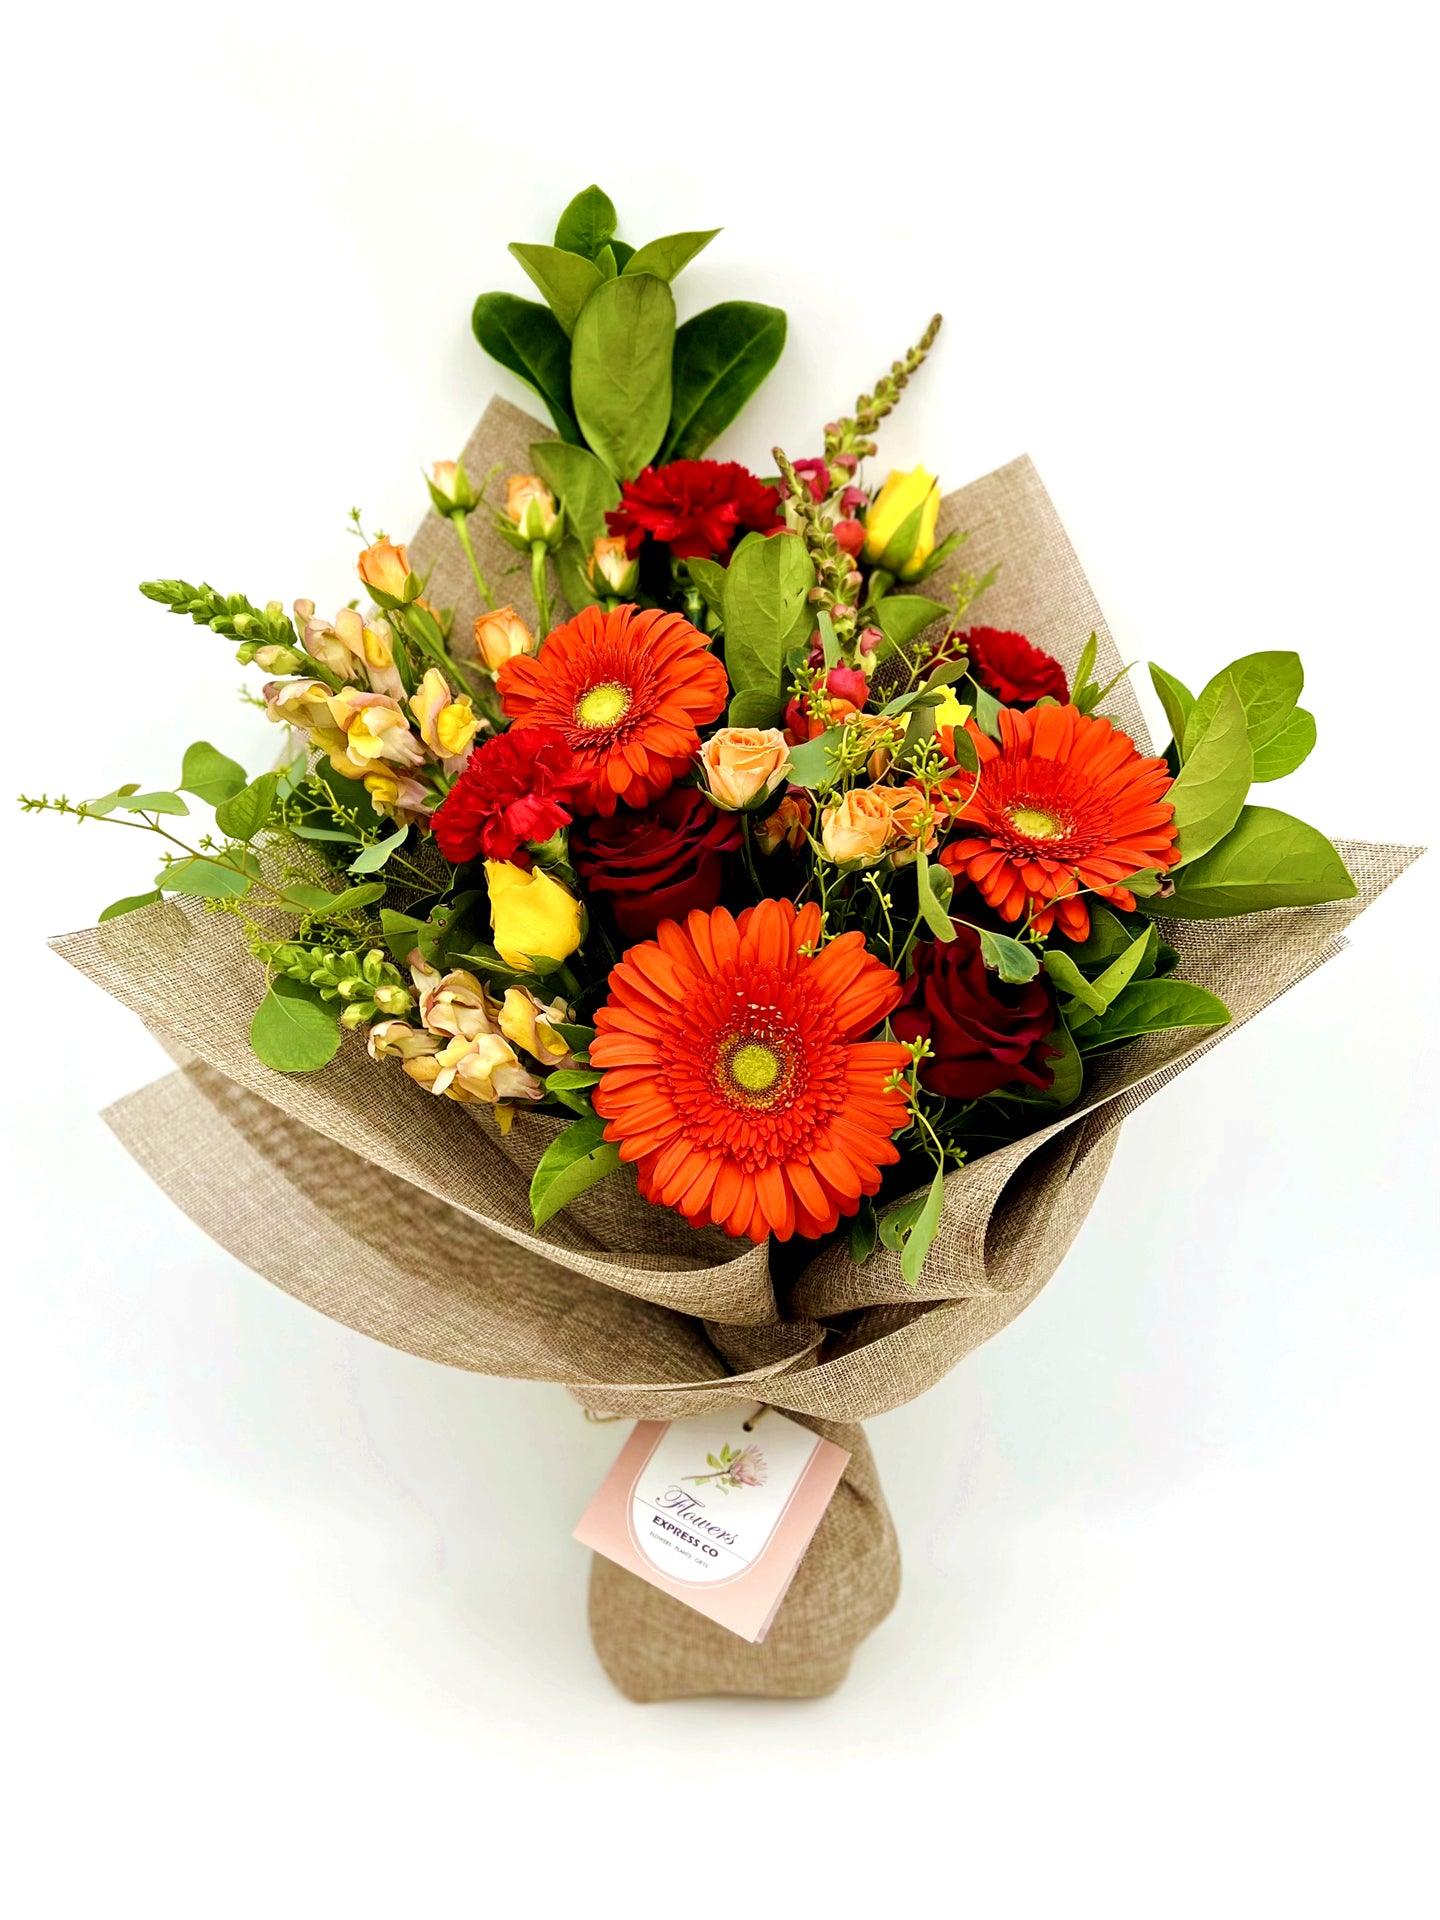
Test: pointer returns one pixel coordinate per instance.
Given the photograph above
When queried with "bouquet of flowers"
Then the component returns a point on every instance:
(701, 927)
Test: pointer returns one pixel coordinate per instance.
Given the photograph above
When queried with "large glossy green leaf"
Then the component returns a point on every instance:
(573, 1161)
(767, 612)
(1210, 789)
(1267, 685)
(1153, 1006)
(620, 370)
(527, 339)
(667, 256)
(1268, 859)
(566, 280)
(587, 224)
(903, 616)
(1284, 753)
(582, 482)
(721, 357)
(1175, 697)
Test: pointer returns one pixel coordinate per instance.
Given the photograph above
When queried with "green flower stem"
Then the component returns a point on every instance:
(539, 554)
(462, 534)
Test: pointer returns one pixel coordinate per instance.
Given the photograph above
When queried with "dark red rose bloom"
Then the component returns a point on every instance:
(1015, 672)
(516, 786)
(657, 865)
(983, 1034)
(695, 507)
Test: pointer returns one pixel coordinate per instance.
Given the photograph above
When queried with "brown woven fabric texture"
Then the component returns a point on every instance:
(399, 1215)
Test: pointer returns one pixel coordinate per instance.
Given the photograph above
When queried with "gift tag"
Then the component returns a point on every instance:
(717, 1510)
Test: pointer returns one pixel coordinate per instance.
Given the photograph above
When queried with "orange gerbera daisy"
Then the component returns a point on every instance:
(1064, 802)
(628, 690)
(735, 1077)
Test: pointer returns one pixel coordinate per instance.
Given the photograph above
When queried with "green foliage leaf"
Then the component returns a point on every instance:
(1287, 749)
(154, 803)
(721, 357)
(1210, 789)
(1175, 697)
(243, 815)
(814, 763)
(203, 879)
(209, 774)
(566, 279)
(1269, 859)
(921, 1236)
(130, 904)
(587, 224)
(293, 1030)
(864, 1231)
(709, 577)
(530, 342)
(575, 1036)
(1267, 685)
(766, 610)
(903, 616)
(371, 859)
(1067, 1073)
(667, 256)
(934, 887)
(987, 710)
(1152, 1006)
(1070, 981)
(350, 901)
(573, 1161)
(1011, 959)
(1107, 987)
(620, 370)
(754, 707)
(570, 558)
(582, 482)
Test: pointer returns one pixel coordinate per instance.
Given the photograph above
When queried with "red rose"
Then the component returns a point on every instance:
(516, 787)
(983, 1034)
(696, 507)
(1009, 667)
(657, 865)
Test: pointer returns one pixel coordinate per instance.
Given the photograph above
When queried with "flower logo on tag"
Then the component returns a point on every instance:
(732, 1467)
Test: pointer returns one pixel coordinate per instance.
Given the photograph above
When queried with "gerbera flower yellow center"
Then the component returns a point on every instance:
(754, 1067)
(1035, 823)
(602, 706)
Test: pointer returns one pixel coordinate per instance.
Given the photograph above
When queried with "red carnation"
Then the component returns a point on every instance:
(657, 865)
(983, 1034)
(516, 788)
(695, 507)
(1009, 667)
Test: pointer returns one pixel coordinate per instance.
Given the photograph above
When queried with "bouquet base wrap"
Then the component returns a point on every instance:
(397, 1214)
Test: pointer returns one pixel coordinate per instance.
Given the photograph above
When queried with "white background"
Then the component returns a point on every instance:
(296, 1622)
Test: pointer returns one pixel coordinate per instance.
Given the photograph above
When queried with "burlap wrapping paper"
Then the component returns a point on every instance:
(401, 1216)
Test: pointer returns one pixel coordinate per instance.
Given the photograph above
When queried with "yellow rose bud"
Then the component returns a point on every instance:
(532, 915)
(530, 506)
(857, 829)
(500, 636)
(447, 724)
(743, 765)
(950, 712)
(386, 571)
(900, 526)
(610, 568)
